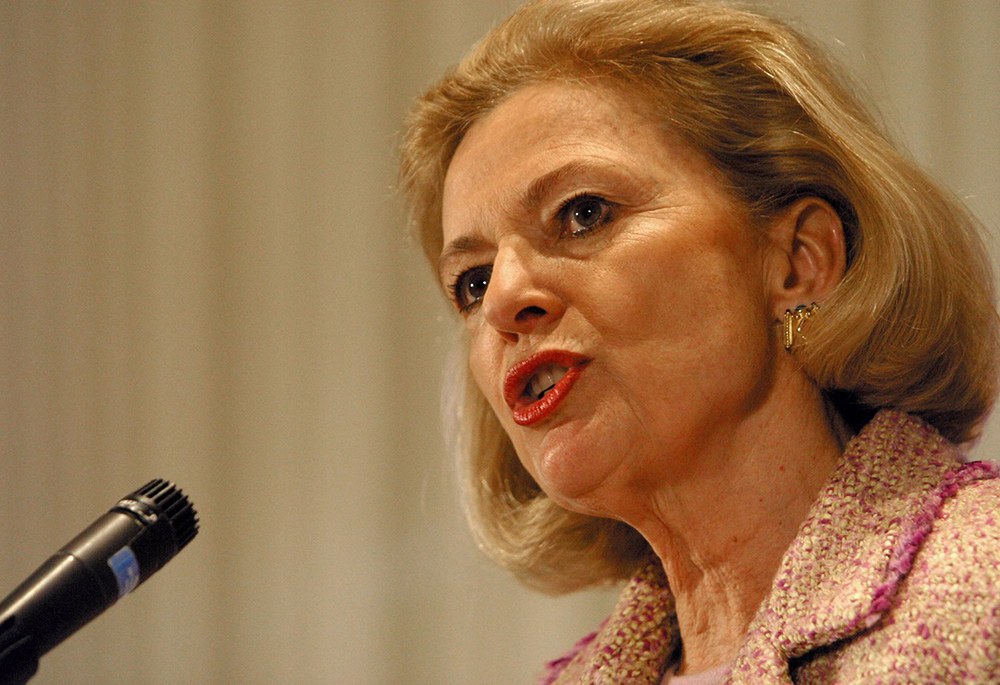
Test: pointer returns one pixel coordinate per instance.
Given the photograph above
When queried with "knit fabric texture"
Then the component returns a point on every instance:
(892, 578)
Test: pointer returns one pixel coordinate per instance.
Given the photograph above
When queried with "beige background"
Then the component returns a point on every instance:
(203, 277)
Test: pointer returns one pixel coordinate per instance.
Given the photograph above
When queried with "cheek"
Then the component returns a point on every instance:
(687, 314)
(650, 293)
(695, 285)
(485, 366)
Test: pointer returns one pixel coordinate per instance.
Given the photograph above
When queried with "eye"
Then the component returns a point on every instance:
(469, 288)
(583, 214)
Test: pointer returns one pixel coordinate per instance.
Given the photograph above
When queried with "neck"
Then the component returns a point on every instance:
(721, 533)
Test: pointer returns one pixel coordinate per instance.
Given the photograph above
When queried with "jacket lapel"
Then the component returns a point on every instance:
(634, 644)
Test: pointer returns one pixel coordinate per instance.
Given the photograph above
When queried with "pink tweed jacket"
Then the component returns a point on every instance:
(894, 577)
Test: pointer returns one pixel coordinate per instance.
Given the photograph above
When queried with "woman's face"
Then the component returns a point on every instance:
(615, 295)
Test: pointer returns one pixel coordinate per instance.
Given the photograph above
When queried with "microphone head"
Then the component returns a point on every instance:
(170, 503)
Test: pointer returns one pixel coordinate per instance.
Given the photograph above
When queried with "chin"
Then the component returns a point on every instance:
(573, 476)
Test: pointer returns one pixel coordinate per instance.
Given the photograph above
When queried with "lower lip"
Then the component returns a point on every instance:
(536, 411)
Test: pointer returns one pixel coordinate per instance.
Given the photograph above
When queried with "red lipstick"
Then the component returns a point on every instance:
(528, 410)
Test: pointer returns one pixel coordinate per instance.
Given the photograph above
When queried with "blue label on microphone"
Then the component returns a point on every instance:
(126, 569)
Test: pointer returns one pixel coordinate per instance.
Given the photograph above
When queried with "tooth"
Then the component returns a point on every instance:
(536, 386)
(545, 380)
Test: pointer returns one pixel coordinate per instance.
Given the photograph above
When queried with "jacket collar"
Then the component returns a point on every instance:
(837, 578)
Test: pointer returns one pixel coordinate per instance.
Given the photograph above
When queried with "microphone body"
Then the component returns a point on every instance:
(109, 559)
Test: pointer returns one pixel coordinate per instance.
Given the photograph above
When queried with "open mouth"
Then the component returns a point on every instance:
(535, 386)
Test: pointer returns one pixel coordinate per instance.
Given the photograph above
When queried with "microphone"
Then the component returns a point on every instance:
(105, 562)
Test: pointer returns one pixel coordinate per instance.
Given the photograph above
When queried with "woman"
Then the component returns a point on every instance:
(722, 340)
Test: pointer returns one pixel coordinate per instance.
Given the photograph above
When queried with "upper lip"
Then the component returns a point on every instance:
(520, 373)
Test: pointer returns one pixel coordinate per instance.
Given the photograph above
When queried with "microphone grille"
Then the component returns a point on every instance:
(172, 504)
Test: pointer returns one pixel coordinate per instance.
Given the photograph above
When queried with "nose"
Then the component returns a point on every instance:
(519, 299)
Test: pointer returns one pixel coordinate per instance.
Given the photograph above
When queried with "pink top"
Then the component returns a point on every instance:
(713, 676)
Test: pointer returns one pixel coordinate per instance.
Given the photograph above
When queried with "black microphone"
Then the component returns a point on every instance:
(94, 570)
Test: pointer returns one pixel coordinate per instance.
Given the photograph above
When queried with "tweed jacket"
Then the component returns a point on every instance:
(894, 577)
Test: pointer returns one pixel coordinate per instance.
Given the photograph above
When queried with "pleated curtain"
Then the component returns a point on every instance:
(204, 277)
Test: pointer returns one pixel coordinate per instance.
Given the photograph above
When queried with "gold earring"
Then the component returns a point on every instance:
(794, 320)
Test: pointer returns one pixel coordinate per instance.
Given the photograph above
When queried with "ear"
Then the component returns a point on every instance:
(809, 254)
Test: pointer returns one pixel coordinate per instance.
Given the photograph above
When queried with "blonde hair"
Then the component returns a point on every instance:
(912, 326)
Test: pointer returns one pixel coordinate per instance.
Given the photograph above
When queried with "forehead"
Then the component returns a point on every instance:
(542, 113)
(538, 129)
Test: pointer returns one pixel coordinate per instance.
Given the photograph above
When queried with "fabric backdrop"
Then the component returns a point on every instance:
(203, 277)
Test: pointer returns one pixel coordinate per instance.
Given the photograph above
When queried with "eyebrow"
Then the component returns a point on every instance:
(462, 245)
(539, 188)
(530, 199)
